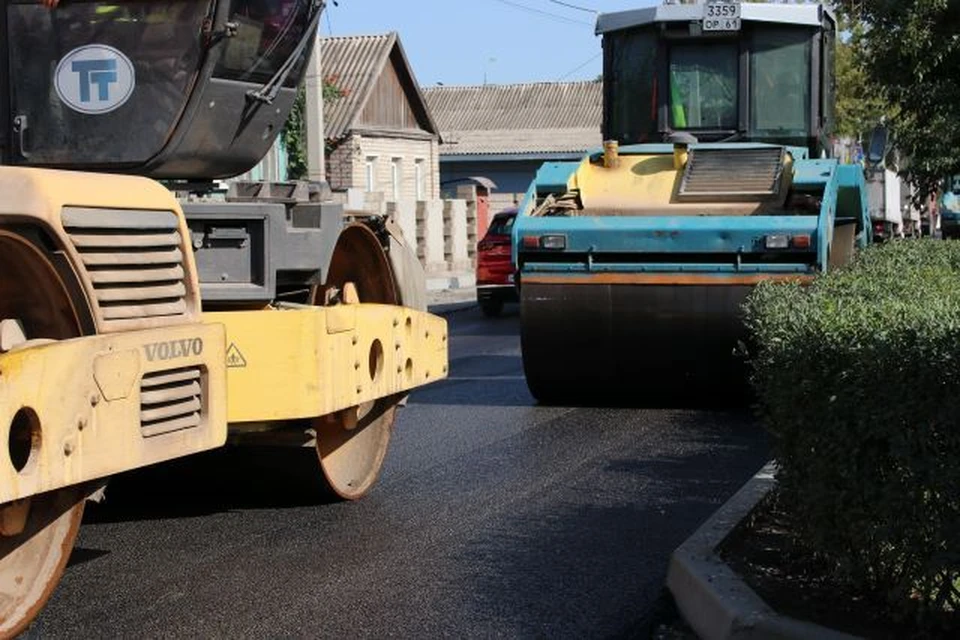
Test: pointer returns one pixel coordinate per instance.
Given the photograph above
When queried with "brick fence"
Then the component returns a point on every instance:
(444, 231)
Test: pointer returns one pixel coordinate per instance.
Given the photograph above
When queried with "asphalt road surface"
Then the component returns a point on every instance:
(494, 517)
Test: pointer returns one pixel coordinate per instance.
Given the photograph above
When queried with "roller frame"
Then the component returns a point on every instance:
(85, 393)
(310, 361)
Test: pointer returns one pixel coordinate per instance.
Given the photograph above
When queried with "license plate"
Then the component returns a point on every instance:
(721, 16)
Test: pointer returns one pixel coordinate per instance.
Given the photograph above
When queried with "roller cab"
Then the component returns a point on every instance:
(179, 89)
(709, 182)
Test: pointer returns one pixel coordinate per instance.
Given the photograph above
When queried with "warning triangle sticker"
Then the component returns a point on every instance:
(235, 359)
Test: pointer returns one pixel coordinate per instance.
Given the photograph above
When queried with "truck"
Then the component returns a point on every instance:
(883, 200)
(634, 262)
(949, 207)
(137, 326)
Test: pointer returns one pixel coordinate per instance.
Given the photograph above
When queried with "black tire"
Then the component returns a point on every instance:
(491, 307)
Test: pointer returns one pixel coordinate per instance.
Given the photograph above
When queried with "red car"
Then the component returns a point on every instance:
(495, 271)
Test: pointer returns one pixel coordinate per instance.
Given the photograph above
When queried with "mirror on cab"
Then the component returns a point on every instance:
(878, 145)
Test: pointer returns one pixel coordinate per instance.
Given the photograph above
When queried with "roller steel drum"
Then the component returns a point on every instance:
(633, 344)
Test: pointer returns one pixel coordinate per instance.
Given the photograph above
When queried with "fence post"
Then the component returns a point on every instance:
(430, 235)
(456, 238)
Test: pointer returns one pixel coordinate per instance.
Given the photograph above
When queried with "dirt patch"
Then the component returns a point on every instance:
(766, 552)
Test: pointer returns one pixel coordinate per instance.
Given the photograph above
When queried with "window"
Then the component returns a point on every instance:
(371, 173)
(780, 79)
(631, 91)
(395, 175)
(501, 225)
(703, 86)
(139, 101)
(267, 33)
(418, 176)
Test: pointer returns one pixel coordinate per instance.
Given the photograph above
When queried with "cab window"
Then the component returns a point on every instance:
(631, 93)
(780, 81)
(267, 32)
(703, 86)
(99, 83)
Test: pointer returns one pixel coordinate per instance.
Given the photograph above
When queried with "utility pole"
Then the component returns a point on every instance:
(313, 127)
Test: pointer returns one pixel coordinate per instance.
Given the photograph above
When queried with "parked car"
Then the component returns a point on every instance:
(495, 271)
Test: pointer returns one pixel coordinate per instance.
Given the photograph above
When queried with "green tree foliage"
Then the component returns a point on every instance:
(293, 134)
(861, 105)
(910, 52)
(293, 138)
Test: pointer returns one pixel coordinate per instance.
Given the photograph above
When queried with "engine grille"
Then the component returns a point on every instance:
(170, 401)
(134, 261)
(750, 174)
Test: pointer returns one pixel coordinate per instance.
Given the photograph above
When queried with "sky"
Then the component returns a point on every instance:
(467, 42)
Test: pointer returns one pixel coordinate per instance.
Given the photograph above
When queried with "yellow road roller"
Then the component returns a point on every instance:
(144, 313)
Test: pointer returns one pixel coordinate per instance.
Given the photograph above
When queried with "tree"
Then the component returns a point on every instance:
(293, 130)
(910, 52)
(860, 103)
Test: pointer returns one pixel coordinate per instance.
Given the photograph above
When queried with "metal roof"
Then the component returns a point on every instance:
(801, 14)
(529, 118)
(355, 63)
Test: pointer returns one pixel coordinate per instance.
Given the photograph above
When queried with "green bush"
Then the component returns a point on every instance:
(857, 377)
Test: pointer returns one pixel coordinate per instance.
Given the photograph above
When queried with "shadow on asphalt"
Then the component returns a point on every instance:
(227, 479)
(472, 322)
(80, 555)
(479, 380)
(722, 396)
(545, 561)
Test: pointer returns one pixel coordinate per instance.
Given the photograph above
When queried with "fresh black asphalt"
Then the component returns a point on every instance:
(494, 517)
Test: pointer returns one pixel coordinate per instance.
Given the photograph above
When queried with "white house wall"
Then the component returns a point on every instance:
(347, 166)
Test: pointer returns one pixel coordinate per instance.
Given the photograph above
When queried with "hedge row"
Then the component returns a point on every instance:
(857, 377)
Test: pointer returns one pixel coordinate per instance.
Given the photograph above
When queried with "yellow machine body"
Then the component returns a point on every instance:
(86, 404)
(313, 361)
(648, 184)
(147, 382)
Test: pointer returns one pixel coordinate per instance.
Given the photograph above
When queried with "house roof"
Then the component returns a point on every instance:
(356, 63)
(521, 119)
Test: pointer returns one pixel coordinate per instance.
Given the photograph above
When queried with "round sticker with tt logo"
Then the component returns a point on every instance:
(95, 78)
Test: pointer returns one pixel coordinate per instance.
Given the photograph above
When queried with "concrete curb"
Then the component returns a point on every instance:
(713, 599)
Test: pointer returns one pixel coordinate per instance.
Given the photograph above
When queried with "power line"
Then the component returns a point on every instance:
(555, 16)
(573, 71)
(573, 6)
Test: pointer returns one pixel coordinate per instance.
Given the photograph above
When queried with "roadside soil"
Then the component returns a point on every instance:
(766, 552)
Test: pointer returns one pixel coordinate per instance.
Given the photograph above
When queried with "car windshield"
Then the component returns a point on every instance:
(703, 86)
(100, 83)
(501, 225)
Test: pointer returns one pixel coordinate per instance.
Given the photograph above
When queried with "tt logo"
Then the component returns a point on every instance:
(95, 79)
(99, 73)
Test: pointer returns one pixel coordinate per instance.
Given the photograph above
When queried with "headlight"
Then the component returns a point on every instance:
(553, 242)
(777, 241)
